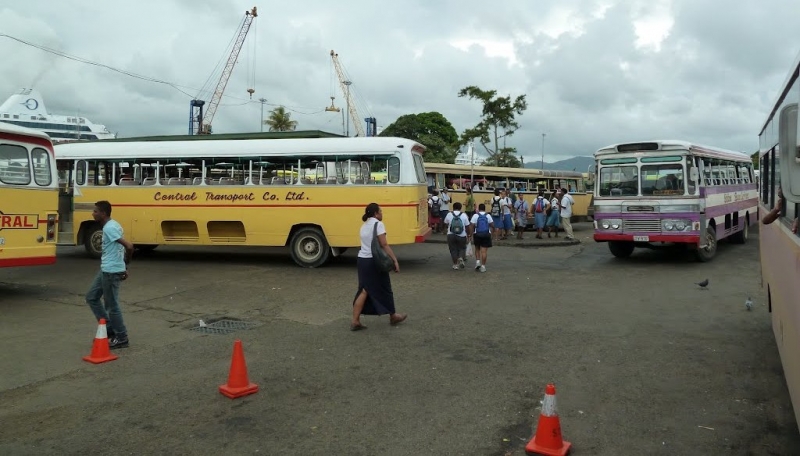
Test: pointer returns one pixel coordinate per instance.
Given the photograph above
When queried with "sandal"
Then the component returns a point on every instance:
(357, 327)
(396, 321)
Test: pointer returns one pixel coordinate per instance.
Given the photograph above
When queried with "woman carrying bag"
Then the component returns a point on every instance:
(375, 260)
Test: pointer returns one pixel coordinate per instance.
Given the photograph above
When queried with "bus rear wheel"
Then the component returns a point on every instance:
(621, 249)
(706, 254)
(93, 241)
(740, 237)
(309, 248)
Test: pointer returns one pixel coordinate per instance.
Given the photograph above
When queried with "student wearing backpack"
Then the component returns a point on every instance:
(553, 216)
(434, 211)
(457, 225)
(480, 232)
(496, 212)
(540, 206)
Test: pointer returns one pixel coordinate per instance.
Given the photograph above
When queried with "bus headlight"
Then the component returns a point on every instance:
(610, 224)
(676, 225)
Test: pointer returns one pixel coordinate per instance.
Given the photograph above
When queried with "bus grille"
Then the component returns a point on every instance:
(642, 226)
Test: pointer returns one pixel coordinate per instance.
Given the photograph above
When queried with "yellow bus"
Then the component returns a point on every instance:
(484, 179)
(28, 197)
(306, 194)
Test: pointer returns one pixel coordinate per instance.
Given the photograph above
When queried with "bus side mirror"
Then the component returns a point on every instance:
(694, 175)
(789, 149)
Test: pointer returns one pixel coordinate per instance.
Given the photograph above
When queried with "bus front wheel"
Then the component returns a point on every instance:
(706, 254)
(93, 241)
(621, 249)
(309, 248)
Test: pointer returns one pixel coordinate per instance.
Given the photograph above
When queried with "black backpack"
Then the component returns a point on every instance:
(435, 206)
(496, 208)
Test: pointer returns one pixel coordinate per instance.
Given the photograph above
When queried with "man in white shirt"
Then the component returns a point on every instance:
(444, 203)
(566, 213)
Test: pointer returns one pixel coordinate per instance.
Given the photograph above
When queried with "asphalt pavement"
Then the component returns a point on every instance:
(644, 362)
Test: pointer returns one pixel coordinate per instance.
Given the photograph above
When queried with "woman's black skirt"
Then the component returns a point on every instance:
(380, 299)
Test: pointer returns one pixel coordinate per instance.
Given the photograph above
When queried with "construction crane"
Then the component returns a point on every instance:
(351, 106)
(196, 106)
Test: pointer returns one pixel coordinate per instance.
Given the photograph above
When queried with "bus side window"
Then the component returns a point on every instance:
(80, 173)
(40, 159)
(393, 170)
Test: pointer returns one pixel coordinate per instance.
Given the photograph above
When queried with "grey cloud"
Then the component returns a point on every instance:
(713, 80)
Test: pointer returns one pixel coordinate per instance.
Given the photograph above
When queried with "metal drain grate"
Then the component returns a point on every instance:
(225, 326)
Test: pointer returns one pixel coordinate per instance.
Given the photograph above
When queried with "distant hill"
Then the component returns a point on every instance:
(579, 164)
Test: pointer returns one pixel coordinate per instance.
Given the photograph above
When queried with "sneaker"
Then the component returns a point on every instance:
(117, 342)
(460, 263)
(483, 269)
(455, 267)
(477, 265)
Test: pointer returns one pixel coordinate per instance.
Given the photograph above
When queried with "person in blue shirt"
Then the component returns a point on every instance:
(114, 261)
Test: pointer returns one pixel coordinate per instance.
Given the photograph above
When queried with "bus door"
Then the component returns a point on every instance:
(66, 204)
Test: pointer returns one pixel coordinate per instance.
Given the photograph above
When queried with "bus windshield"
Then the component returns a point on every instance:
(663, 179)
(619, 181)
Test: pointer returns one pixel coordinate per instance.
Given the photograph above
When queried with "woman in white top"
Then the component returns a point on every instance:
(374, 295)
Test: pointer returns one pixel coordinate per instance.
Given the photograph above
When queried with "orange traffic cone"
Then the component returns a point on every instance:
(100, 351)
(548, 440)
(238, 383)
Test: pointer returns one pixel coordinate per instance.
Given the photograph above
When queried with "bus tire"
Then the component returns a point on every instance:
(706, 254)
(309, 247)
(93, 241)
(740, 237)
(621, 249)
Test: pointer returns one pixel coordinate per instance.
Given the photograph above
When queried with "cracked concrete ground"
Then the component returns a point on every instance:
(644, 363)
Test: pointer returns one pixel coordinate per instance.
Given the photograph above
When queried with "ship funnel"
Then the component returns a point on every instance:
(26, 102)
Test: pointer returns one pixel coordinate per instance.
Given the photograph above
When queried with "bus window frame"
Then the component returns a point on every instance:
(27, 166)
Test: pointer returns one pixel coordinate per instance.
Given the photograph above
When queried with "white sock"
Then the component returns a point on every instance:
(478, 263)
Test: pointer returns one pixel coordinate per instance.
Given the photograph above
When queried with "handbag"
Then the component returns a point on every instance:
(382, 260)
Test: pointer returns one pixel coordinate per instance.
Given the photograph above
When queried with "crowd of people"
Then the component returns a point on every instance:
(511, 213)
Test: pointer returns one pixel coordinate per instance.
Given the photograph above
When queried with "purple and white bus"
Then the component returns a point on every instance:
(655, 193)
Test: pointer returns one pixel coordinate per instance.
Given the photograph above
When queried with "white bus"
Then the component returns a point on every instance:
(672, 192)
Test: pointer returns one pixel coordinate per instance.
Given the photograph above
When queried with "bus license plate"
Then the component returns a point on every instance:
(641, 239)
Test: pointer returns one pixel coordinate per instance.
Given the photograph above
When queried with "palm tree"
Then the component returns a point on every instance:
(280, 120)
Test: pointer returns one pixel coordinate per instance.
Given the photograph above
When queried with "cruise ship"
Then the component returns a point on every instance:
(26, 108)
(467, 157)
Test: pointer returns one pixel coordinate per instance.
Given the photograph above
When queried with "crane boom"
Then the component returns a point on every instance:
(226, 72)
(346, 91)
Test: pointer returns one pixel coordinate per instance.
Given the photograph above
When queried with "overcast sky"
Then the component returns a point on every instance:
(594, 72)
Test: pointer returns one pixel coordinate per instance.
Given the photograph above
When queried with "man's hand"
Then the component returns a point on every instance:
(123, 275)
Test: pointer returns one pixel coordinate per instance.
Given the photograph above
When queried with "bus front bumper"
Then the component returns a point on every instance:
(424, 236)
(671, 238)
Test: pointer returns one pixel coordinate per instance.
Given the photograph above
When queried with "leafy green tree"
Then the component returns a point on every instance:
(754, 157)
(498, 122)
(432, 130)
(280, 120)
(505, 158)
